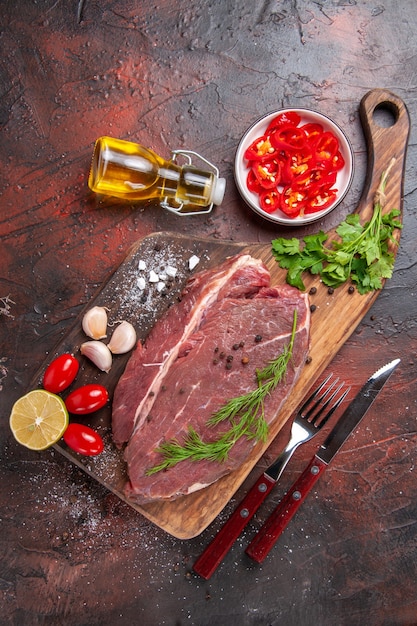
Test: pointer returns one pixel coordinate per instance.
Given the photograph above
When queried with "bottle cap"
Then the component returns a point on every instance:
(217, 192)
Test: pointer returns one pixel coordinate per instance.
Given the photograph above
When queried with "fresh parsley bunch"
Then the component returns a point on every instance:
(362, 254)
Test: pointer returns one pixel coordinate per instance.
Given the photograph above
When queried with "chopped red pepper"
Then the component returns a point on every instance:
(326, 147)
(293, 200)
(267, 173)
(313, 131)
(338, 162)
(289, 118)
(298, 163)
(270, 200)
(260, 149)
(288, 138)
(314, 177)
(323, 198)
(293, 167)
(252, 182)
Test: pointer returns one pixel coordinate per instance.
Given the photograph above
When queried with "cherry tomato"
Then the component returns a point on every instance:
(86, 399)
(83, 439)
(60, 373)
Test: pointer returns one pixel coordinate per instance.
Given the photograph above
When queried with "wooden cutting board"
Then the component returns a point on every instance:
(334, 319)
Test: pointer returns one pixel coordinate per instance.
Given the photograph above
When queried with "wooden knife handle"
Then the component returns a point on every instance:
(276, 523)
(213, 555)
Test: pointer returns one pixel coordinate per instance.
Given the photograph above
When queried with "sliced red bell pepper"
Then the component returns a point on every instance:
(270, 200)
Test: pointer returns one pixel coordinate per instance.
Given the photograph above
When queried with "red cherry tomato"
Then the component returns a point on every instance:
(86, 399)
(60, 373)
(83, 439)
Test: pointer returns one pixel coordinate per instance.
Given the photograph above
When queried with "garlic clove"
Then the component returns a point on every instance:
(123, 338)
(98, 353)
(95, 322)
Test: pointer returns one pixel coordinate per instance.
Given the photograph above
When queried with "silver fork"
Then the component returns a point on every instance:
(307, 423)
(309, 420)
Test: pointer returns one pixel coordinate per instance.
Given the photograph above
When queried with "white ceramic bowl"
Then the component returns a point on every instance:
(343, 180)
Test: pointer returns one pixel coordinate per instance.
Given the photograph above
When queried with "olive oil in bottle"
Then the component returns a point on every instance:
(132, 172)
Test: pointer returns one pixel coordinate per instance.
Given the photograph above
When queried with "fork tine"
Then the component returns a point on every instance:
(314, 394)
(319, 400)
(328, 401)
(334, 407)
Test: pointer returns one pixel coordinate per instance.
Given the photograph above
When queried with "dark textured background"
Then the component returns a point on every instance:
(194, 75)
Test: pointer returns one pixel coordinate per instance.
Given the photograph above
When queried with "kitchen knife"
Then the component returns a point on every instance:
(267, 536)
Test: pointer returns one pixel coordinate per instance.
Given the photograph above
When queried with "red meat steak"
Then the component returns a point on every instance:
(202, 353)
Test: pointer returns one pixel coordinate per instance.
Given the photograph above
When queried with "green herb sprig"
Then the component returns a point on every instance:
(362, 254)
(245, 414)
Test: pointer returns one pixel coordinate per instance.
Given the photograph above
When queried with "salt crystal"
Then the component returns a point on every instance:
(193, 262)
(153, 277)
(171, 271)
(141, 283)
(160, 285)
(142, 265)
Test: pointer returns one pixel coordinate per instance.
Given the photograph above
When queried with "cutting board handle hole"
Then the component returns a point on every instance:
(385, 114)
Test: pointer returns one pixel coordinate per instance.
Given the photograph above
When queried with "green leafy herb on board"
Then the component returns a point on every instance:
(362, 254)
(245, 414)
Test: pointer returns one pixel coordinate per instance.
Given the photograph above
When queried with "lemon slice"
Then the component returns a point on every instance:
(38, 419)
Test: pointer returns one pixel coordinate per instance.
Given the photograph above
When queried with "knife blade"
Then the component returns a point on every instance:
(276, 523)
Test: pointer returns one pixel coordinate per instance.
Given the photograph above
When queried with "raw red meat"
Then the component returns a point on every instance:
(180, 377)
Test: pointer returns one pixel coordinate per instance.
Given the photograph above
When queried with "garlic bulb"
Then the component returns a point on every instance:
(98, 353)
(95, 322)
(123, 338)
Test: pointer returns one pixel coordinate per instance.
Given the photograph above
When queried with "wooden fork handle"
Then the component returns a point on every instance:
(276, 523)
(213, 555)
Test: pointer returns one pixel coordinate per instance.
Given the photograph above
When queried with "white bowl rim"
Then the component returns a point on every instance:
(344, 179)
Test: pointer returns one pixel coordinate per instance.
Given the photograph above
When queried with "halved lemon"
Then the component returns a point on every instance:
(38, 419)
